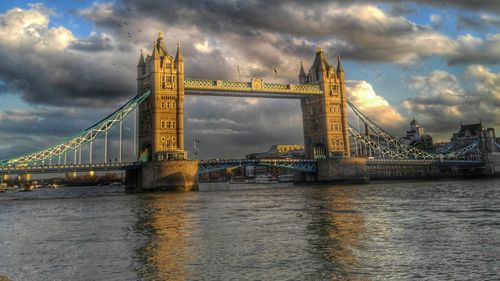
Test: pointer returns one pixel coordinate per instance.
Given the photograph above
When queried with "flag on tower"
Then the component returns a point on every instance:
(275, 72)
(238, 68)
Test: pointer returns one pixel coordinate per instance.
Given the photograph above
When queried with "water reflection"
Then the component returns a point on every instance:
(167, 223)
(340, 229)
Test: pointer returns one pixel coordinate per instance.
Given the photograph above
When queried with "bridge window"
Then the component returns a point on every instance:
(162, 104)
(319, 151)
(162, 124)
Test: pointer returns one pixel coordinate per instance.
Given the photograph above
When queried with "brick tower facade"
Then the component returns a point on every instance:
(161, 115)
(325, 117)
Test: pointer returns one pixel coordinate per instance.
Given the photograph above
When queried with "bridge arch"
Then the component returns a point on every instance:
(320, 151)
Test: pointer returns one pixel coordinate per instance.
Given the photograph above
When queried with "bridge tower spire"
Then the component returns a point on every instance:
(343, 106)
(325, 116)
(161, 116)
(161, 124)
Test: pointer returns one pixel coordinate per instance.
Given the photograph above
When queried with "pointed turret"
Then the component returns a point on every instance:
(160, 45)
(302, 75)
(339, 65)
(302, 71)
(156, 55)
(340, 70)
(178, 55)
(141, 61)
(320, 65)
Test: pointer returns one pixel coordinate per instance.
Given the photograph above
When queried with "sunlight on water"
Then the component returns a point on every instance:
(443, 230)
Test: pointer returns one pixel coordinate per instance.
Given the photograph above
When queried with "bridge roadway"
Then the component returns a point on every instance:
(303, 165)
(41, 169)
(419, 162)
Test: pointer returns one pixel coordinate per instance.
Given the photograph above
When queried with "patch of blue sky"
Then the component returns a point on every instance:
(389, 80)
(10, 101)
(64, 13)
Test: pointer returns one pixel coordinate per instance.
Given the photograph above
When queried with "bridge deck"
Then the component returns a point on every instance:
(212, 165)
(38, 169)
(415, 162)
(254, 88)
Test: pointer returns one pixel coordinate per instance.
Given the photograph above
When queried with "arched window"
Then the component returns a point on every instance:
(319, 151)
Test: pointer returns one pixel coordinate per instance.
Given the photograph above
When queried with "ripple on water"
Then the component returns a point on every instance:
(443, 230)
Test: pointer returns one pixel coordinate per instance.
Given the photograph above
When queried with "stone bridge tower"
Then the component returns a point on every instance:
(161, 124)
(325, 117)
(161, 115)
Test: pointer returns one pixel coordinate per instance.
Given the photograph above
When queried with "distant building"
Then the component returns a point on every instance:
(280, 151)
(470, 133)
(416, 137)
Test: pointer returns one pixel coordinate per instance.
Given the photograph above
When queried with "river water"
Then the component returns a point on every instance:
(440, 230)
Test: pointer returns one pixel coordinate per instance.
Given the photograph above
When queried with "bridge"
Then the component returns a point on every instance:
(334, 149)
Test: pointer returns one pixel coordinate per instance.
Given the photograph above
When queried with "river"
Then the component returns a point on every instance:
(428, 230)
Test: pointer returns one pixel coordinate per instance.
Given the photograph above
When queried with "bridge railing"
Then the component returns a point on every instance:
(387, 146)
(86, 136)
(256, 85)
(67, 167)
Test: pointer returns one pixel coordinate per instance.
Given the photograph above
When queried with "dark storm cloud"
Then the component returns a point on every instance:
(94, 43)
(356, 31)
(474, 50)
(402, 9)
(477, 22)
(65, 78)
(481, 5)
(231, 127)
(25, 131)
(441, 97)
(99, 71)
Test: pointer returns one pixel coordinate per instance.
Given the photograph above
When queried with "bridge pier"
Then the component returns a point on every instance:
(5, 178)
(349, 170)
(181, 175)
(25, 177)
(71, 175)
(492, 164)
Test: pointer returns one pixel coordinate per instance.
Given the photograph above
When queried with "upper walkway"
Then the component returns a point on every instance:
(255, 88)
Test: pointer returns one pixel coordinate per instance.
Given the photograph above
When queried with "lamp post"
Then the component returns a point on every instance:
(196, 148)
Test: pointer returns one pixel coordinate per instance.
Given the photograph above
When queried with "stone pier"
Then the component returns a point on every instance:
(5, 178)
(342, 170)
(181, 175)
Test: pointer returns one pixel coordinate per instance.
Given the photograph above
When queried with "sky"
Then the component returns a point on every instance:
(66, 64)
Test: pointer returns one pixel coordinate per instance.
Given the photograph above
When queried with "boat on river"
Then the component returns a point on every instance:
(241, 180)
(286, 178)
(265, 179)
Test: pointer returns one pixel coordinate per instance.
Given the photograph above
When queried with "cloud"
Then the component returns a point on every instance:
(94, 43)
(217, 37)
(30, 29)
(375, 107)
(441, 101)
(231, 127)
(476, 5)
(477, 21)
(59, 69)
(476, 50)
